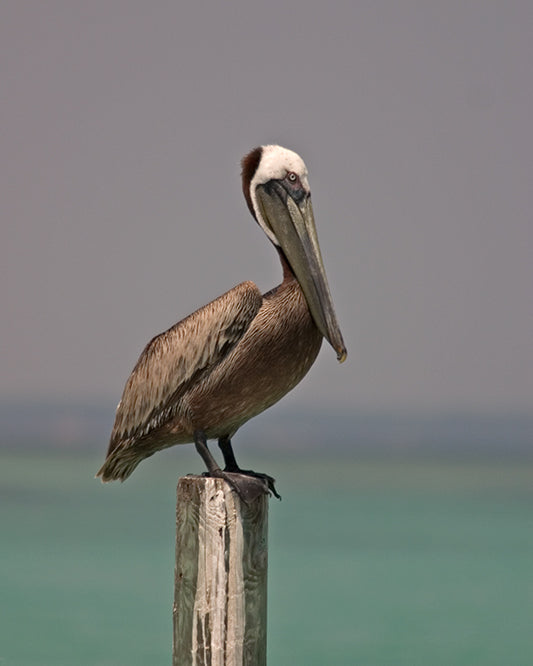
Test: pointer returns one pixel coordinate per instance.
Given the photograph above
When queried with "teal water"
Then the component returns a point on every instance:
(372, 563)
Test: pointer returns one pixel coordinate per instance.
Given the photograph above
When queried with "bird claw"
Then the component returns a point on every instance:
(248, 485)
(269, 480)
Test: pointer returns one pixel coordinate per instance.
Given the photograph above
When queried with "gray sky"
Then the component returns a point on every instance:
(122, 126)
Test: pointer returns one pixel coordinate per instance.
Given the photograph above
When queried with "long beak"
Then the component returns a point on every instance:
(293, 225)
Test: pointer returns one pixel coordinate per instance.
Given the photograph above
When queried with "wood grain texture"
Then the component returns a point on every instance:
(220, 596)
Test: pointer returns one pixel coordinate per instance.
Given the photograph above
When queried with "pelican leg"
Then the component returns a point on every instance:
(200, 442)
(229, 457)
(232, 466)
(246, 486)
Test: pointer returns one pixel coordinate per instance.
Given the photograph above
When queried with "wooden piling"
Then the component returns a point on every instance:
(220, 576)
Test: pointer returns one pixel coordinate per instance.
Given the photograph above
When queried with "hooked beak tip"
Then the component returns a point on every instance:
(341, 355)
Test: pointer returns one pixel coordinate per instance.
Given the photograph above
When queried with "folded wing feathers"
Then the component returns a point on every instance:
(180, 356)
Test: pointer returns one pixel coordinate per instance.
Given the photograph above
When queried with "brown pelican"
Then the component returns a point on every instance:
(235, 357)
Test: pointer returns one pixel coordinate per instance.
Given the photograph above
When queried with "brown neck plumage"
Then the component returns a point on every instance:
(288, 274)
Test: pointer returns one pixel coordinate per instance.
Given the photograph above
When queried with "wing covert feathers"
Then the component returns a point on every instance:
(177, 358)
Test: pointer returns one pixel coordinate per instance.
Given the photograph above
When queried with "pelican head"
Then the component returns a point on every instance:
(277, 192)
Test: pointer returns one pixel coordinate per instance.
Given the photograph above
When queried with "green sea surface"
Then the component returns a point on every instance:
(371, 562)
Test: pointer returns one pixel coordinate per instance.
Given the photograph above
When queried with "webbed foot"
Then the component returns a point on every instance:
(267, 480)
(247, 487)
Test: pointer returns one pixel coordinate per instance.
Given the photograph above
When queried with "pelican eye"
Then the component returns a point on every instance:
(293, 186)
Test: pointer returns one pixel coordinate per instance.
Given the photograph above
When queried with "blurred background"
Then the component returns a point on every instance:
(405, 535)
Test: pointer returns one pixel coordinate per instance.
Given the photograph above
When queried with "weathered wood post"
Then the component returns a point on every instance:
(220, 577)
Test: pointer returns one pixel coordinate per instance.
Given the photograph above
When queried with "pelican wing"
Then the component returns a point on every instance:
(179, 357)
